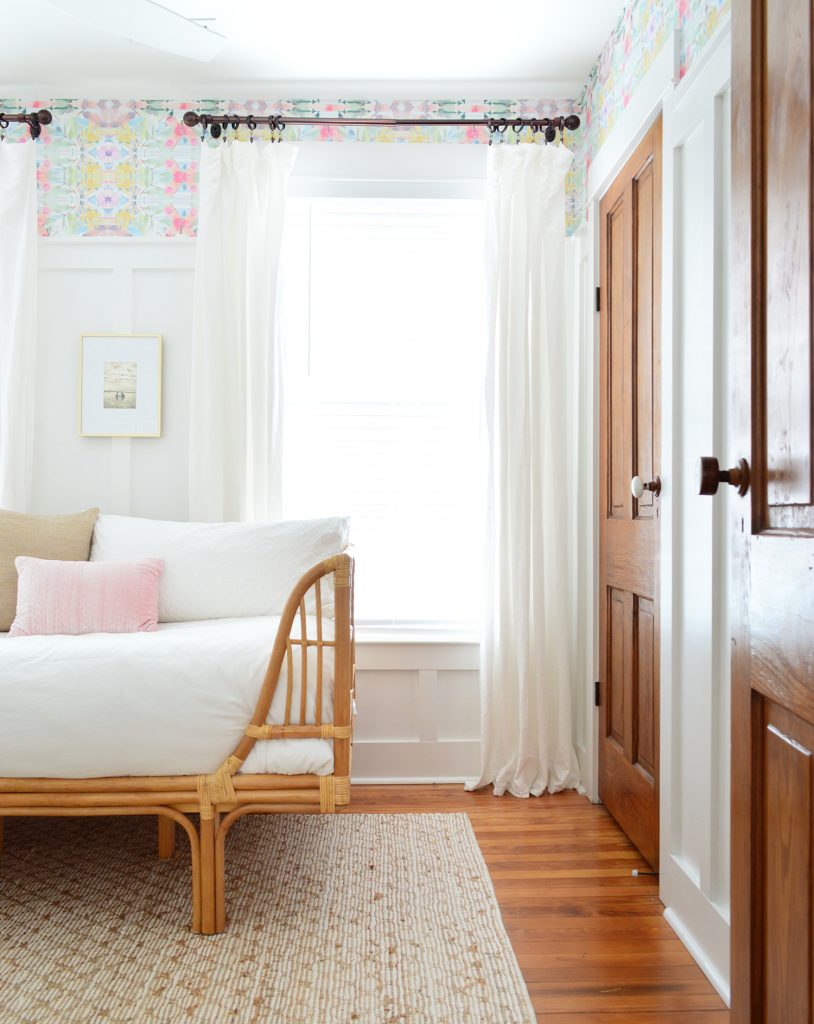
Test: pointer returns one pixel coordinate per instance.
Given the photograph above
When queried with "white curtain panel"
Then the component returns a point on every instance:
(236, 411)
(525, 647)
(18, 320)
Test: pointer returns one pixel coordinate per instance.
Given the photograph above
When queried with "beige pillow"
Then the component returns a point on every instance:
(65, 538)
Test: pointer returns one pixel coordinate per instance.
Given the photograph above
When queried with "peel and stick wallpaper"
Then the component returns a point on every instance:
(626, 58)
(129, 167)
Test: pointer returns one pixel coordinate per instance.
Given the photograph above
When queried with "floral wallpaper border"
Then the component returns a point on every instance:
(129, 168)
(627, 56)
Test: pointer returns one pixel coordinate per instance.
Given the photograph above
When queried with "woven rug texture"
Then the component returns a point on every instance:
(333, 919)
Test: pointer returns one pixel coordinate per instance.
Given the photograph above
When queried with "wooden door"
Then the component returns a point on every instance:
(773, 575)
(630, 317)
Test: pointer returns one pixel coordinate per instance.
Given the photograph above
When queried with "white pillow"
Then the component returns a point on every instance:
(221, 570)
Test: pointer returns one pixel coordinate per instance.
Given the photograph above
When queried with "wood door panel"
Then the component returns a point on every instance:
(788, 235)
(644, 653)
(786, 841)
(630, 272)
(645, 216)
(620, 615)
(619, 363)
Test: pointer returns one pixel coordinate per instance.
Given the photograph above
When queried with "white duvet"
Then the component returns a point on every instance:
(172, 702)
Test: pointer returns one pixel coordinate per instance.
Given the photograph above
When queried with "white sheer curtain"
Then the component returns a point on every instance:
(526, 739)
(236, 413)
(18, 328)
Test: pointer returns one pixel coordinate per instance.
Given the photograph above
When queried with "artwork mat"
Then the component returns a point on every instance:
(149, 382)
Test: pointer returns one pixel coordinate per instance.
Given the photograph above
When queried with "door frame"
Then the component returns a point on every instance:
(696, 896)
(630, 128)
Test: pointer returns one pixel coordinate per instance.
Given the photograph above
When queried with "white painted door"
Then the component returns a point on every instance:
(695, 630)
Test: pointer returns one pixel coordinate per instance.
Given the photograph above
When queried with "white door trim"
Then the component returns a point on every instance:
(694, 669)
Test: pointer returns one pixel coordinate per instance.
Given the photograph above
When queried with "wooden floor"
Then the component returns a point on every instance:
(591, 940)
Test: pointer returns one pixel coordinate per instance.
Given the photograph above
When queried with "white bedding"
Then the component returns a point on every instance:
(172, 702)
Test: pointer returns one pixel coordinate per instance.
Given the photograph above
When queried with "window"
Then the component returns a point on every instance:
(383, 317)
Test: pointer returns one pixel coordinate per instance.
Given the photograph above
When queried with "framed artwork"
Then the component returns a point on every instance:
(120, 385)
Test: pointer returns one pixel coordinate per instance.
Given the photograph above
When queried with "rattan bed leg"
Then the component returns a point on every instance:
(166, 837)
(220, 881)
(327, 795)
(209, 828)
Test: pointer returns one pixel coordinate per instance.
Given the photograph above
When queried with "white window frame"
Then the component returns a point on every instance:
(400, 172)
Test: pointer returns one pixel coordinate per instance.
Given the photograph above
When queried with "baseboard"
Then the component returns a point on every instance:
(418, 780)
(394, 761)
(720, 985)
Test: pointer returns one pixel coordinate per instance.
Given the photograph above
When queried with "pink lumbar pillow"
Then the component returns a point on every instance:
(86, 597)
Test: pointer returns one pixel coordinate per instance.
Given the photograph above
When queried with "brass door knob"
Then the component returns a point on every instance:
(710, 475)
(639, 486)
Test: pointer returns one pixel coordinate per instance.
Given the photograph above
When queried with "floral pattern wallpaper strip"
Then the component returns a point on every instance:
(626, 58)
(129, 168)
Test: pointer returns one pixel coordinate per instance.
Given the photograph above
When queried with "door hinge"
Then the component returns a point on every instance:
(596, 694)
(597, 299)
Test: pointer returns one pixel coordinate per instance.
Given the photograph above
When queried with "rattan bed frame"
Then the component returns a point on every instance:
(222, 797)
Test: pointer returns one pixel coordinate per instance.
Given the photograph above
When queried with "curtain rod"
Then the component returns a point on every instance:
(216, 123)
(35, 120)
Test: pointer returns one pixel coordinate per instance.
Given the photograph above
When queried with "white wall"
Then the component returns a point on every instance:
(88, 286)
(418, 702)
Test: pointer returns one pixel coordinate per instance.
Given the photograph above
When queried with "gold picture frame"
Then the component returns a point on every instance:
(120, 385)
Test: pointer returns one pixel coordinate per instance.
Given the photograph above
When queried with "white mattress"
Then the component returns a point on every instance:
(172, 702)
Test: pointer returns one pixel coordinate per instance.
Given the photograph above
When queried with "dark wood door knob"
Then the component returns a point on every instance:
(710, 475)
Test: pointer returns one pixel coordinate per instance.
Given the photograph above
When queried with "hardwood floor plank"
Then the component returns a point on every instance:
(590, 938)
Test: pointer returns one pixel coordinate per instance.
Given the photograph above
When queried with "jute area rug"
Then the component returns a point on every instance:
(346, 919)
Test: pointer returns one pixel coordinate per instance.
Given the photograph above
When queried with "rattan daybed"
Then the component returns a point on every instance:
(309, 645)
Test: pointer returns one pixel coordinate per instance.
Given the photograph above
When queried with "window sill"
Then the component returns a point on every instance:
(366, 635)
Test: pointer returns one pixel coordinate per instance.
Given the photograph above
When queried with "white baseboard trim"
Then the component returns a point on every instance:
(415, 760)
(719, 983)
(418, 780)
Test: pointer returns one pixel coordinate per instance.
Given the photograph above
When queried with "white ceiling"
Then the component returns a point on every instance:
(413, 48)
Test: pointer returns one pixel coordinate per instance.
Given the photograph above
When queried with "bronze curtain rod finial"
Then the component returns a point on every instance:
(35, 119)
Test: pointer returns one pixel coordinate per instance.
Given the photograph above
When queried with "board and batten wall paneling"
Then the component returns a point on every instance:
(94, 286)
(418, 703)
(695, 656)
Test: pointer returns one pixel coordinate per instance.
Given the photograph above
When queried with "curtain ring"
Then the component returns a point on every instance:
(280, 127)
(203, 127)
(252, 125)
(3, 125)
(497, 127)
